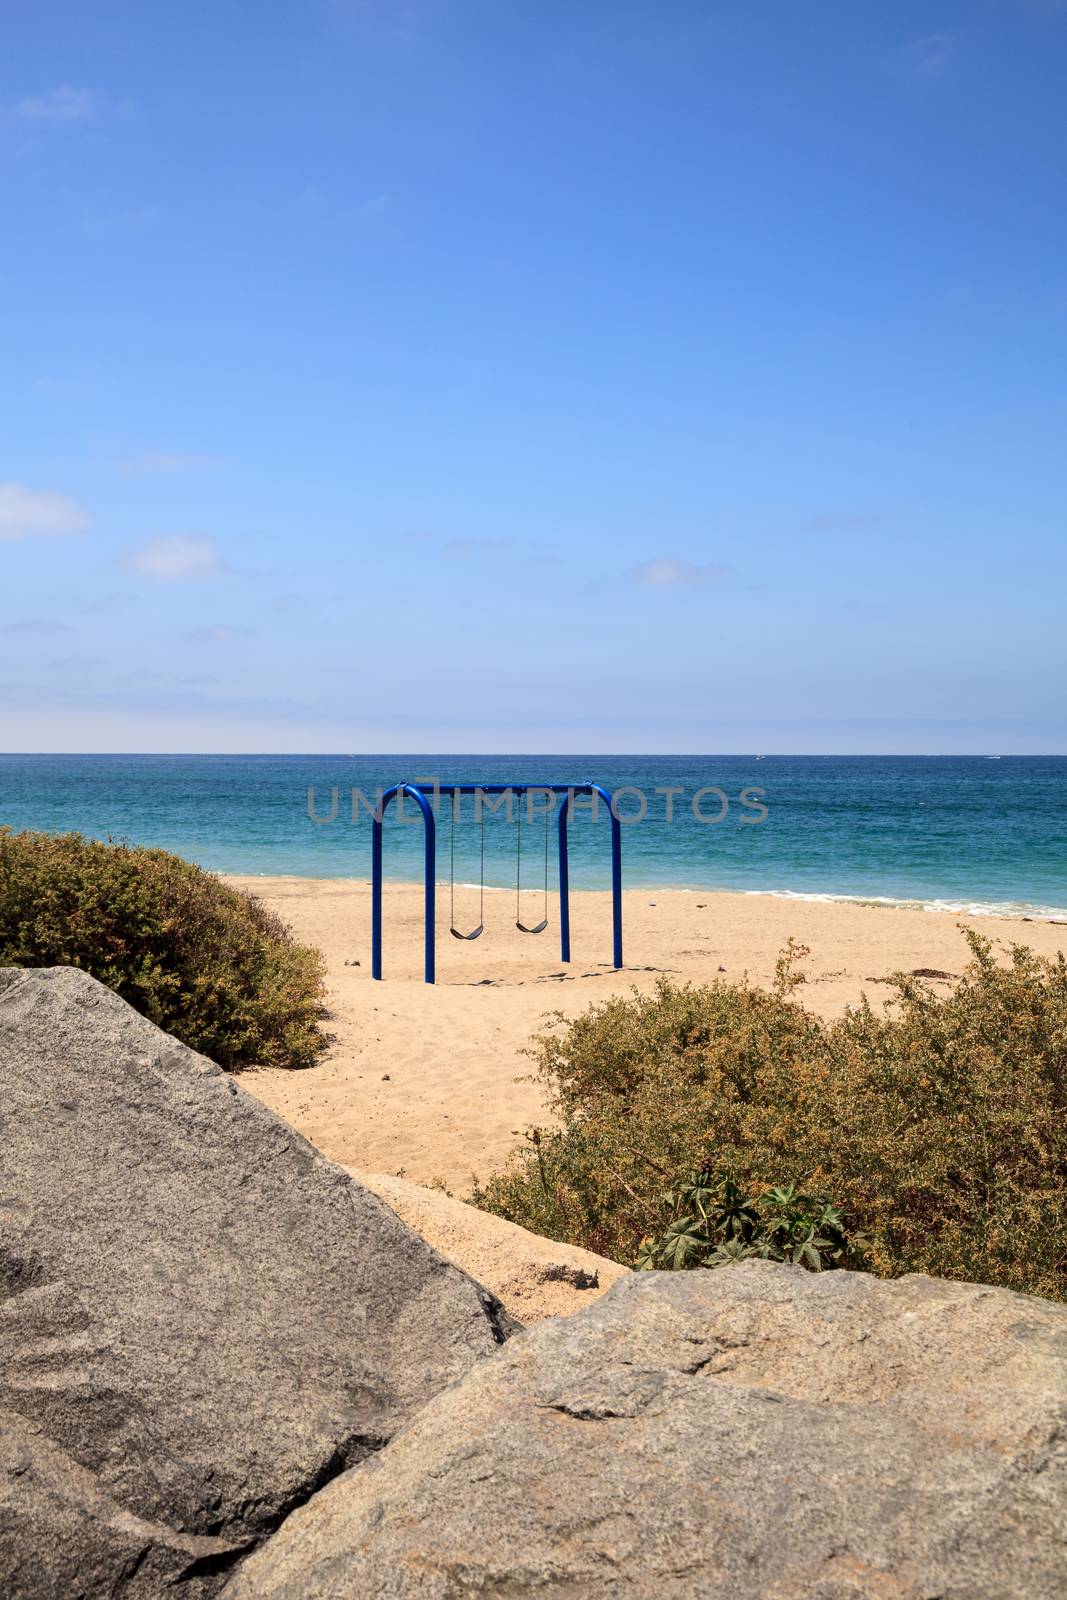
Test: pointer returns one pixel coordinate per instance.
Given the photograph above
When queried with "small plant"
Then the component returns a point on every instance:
(711, 1222)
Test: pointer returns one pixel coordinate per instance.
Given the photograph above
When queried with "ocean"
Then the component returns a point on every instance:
(969, 833)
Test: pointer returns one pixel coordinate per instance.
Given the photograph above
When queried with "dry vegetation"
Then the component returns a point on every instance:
(936, 1125)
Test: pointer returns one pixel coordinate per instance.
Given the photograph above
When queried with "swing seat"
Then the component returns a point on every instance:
(479, 930)
(540, 928)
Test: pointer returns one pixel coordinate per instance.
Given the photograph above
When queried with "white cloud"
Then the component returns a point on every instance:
(666, 573)
(99, 604)
(60, 105)
(174, 557)
(842, 521)
(221, 633)
(76, 664)
(470, 549)
(397, 23)
(34, 514)
(930, 55)
(35, 625)
(372, 207)
(167, 461)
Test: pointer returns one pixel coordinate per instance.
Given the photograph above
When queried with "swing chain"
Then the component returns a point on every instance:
(543, 924)
(452, 876)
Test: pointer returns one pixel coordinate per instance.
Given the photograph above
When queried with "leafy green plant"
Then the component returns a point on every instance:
(711, 1221)
(205, 962)
(938, 1123)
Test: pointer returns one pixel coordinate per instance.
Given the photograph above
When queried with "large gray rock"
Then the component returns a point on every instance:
(61, 1534)
(756, 1431)
(201, 1319)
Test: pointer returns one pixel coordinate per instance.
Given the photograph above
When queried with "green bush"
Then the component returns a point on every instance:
(209, 964)
(938, 1124)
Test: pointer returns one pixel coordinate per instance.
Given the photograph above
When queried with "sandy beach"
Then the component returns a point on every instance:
(431, 1082)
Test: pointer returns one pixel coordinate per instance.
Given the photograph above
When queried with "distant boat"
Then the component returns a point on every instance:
(992, 758)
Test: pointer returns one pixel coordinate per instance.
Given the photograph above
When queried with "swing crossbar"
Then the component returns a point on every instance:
(571, 790)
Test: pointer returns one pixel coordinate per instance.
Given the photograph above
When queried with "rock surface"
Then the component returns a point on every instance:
(201, 1319)
(61, 1533)
(533, 1277)
(756, 1431)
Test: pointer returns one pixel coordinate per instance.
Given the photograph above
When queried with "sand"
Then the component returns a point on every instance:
(431, 1083)
(532, 1277)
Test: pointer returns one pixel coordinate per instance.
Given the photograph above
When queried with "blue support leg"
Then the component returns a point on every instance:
(616, 891)
(616, 874)
(430, 870)
(564, 883)
(429, 873)
(376, 892)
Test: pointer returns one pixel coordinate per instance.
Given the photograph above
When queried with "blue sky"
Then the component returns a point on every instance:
(531, 376)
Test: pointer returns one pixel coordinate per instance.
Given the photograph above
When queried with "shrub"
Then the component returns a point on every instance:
(938, 1125)
(207, 963)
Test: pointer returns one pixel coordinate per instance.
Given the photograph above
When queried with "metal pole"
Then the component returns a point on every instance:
(564, 882)
(431, 880)
(616, 891)
(376, 885)
(429, 873)
(616, 875)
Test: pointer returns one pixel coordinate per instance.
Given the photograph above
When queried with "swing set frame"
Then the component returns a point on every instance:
(569, 790)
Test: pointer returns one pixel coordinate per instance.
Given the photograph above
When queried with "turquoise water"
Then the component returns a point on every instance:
(969, 833)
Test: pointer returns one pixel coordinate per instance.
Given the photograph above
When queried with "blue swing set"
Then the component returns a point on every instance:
(570, 791)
